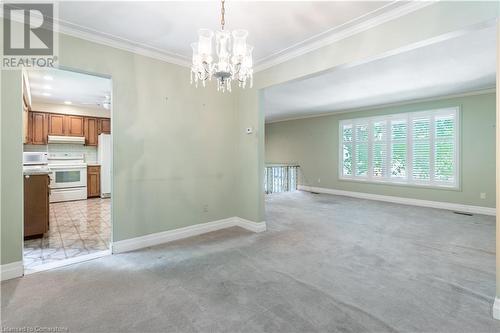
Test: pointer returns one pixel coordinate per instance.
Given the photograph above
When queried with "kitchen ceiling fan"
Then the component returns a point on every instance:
(106, 103)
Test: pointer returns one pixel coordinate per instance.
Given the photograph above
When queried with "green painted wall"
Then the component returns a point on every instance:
(11, 176)
(176, 148)
(313, 143)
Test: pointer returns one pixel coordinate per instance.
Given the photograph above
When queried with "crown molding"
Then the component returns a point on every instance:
(338, 33)
(387, 105)
(350, 28)
(91, 35)
(121, 43)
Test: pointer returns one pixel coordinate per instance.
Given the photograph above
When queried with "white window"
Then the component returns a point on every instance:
(418, 148)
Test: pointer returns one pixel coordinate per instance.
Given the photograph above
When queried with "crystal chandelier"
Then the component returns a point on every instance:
(230, 66)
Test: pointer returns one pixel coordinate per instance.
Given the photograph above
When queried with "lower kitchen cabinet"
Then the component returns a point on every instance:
(36, 205)
(93, 181)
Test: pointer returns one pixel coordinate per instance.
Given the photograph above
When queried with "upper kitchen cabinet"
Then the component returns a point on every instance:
(75, 126)
(57, 124)
(42, 124)
(68, 125)
(37, 128)
(91, 131)
(105, 125)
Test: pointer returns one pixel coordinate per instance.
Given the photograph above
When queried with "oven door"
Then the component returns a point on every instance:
(67, 177)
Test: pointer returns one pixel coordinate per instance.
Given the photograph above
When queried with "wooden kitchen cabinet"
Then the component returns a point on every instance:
(57, 124)
(37, 128)
(104, 125)
(66, 125)
(75, 125)
(91, 131)
(93, 181)
(42, 124)
(36, 205)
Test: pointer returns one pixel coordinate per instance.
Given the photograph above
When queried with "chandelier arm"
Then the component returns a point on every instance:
(203, 75)
(237, 68)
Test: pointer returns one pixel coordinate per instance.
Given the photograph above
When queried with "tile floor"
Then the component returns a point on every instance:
(76, 228)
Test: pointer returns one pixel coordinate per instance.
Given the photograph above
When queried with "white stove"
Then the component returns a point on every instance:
(68, 176)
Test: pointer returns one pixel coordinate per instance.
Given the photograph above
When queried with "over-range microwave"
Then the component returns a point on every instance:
(35, 158)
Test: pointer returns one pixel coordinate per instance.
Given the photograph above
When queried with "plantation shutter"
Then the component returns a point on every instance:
(398, 148)
(444, 151)
(361, 149)
(379, 149)
(347, 150)
(421, 132)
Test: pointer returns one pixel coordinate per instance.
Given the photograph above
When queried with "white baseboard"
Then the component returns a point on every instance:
(250, 225)
(403, 201)
(496, 308)
(11, 270)
(190, 231)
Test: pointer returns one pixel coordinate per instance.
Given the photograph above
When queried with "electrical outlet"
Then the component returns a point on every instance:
(319, 180)
(482, 195)
(205, 208)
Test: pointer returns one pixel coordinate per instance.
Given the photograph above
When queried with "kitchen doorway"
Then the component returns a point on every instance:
(67, 156)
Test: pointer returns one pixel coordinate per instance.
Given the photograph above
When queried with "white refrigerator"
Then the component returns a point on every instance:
(104, 159)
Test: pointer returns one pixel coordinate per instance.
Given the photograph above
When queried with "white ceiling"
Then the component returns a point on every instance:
(57, 86)
(275, 27)
(457, 65)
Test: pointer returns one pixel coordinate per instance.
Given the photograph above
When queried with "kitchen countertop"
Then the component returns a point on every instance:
(33, 170)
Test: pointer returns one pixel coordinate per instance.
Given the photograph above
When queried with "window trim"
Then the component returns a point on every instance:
(407, 181)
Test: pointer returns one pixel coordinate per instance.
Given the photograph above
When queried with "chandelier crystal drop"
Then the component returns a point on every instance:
(234, 57)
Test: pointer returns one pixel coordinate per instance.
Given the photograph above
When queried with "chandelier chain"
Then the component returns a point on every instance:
(222, 12)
